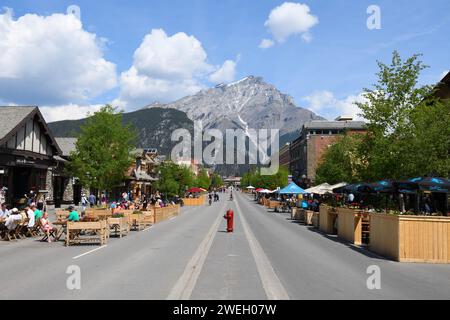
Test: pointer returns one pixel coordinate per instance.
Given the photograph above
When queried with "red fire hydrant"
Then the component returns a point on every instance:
(229, 216)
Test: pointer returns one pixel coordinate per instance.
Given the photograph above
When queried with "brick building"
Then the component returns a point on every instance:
(315, 137)
(285, 156)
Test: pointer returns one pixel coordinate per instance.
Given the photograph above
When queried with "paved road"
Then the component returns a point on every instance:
(191, 257)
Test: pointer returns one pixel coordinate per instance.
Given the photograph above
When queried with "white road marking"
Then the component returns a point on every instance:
(90, 251)
(183, 288)
(271, 283)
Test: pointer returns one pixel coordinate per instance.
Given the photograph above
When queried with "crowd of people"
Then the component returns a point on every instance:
(32, 220)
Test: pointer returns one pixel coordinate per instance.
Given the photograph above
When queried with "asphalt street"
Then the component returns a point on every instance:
(268, 256)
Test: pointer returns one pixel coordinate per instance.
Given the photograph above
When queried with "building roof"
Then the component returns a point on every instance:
(442, 89)
(12, 117)
(67, 145)
(325, 124)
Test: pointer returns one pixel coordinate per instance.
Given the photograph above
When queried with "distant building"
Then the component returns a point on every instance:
(28, 154)
(143, 173)
(442, 89)
(67, 189)
(232, 181)
(192, 164)
(315, 137)
(285, 156)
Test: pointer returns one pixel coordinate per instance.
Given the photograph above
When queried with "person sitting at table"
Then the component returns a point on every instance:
(13, 220)
(4, 212)
(31, 218)
(37, 212)
(73, 215)
(46, 226)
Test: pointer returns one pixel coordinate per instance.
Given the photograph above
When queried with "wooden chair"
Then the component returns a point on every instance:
(20, 228)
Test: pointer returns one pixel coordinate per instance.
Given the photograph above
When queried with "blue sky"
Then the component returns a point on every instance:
(324, 73)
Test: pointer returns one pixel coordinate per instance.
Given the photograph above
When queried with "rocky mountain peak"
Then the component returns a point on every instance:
(247, 103)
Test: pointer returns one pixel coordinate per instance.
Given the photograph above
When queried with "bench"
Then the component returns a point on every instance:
(98, 230)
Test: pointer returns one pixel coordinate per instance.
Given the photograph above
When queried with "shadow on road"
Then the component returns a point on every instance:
(362, 250)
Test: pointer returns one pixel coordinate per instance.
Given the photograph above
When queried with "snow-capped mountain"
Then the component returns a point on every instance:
(247, 103)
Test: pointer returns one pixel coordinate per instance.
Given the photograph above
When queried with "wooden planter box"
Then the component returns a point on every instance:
(98, 228)
(309, 217)
(326, 219)
(411, 238)
(194, 201)
(273, 204)
(315, 220)
(120, 226)
(350, 225)
(297, 214)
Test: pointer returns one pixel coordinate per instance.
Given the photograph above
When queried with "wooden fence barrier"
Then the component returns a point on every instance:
(326, 219)
(411, 238)
(195, 201)
(350, 225)
(165, 213)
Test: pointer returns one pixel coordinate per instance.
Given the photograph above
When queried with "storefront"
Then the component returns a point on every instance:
(27, 151)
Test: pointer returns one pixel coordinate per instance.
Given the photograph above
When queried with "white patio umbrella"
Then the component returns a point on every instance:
(250, 187)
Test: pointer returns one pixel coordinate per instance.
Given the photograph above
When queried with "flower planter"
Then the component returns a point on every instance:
(274, 204)
(411, 238)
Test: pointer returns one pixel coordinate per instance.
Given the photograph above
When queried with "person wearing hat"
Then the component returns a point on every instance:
(12, 221)
(73, 215)
(84, 203)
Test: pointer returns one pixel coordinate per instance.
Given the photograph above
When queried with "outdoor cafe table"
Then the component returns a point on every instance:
(61, 229)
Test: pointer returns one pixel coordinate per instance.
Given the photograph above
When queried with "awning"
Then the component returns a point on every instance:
(292, 188)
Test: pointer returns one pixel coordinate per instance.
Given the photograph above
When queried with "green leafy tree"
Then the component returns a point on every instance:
(216, 181)
(429, 140)
(341, 162)
(202, 180)
(408, 131)
(388, 109)
(103, 148)
(174, 179)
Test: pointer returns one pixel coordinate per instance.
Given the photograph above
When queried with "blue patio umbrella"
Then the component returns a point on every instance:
(292, 188)
(433, 184)
(379, 186)
(351, 188)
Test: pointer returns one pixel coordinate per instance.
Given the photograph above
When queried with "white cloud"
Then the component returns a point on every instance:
(166, 68)
(266, 43)
(51, 60)
(68, 112)
(137, 90)
(327, 105)
(290, 19)
(176, 57)
(225, 74)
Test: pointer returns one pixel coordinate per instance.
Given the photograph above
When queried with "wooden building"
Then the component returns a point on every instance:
(27, 154)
